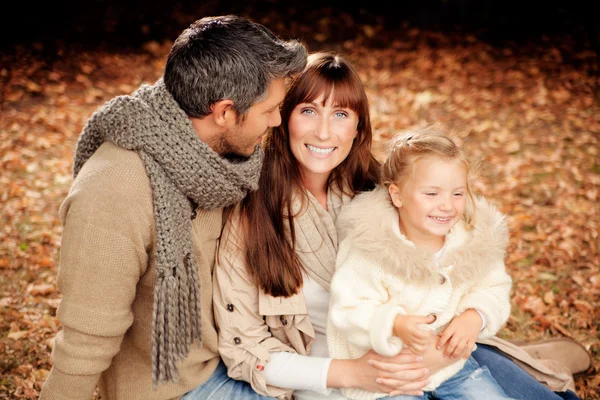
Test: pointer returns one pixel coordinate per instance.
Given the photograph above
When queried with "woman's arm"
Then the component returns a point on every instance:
(404, 374)
(295, 371)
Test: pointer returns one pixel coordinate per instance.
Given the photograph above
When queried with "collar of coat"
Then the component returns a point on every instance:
(370, 221)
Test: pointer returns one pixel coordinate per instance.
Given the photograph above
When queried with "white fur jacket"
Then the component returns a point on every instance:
(380, 274)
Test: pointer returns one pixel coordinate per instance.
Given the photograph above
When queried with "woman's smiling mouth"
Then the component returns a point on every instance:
(319, 150)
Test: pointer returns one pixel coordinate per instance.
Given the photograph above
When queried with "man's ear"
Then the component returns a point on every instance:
(223, 113)
(395, 195)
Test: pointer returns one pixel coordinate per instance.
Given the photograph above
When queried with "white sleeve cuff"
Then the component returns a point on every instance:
(325, 390)
(381, 331)
(482, 319)
(297, 372)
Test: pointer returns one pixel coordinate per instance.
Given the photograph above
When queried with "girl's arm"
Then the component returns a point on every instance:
(360, 313)
(488, 301)
(490, 297)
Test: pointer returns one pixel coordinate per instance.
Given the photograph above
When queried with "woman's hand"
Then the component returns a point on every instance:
(408, 372)
(403, 374)
(433, 358)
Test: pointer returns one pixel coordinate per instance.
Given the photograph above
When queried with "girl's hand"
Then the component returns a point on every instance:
(460, 335)
(408, 329)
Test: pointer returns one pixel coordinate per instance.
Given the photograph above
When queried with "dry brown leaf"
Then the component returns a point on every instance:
(535, 305)
(41, 289)
(17, 335)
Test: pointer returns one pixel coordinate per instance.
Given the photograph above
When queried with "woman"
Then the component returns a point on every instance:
(272, 316)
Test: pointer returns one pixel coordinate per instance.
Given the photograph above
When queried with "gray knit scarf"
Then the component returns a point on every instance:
(184, 173)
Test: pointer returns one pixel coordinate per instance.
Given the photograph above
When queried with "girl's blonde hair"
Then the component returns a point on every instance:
(409, 147)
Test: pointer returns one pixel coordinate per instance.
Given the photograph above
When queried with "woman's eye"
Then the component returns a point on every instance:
(309, 111)
(431, 194)
(459, 194)
(341, 114)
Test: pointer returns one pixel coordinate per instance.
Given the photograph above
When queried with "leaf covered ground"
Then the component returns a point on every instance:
(530, 112)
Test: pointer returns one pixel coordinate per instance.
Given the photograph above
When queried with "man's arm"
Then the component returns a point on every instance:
(108, 222)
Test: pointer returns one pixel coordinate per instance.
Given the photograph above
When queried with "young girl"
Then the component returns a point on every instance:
(421, 253)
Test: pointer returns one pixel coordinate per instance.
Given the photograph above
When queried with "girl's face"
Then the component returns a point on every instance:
(321, 137)
(432, 200)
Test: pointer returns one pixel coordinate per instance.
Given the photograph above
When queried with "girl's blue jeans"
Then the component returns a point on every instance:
(513, 379)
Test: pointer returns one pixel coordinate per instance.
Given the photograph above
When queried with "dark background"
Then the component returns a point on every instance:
(122, 24)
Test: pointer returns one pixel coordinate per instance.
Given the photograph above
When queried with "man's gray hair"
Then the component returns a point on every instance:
(228, 57)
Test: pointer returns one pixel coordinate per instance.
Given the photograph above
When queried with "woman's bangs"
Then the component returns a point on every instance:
(346, 95)
(343, 91)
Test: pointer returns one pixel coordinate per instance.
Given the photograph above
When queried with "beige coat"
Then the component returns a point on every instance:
(252, 324)
(107, 276)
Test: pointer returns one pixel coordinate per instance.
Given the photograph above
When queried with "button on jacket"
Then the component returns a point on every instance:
(251, 323)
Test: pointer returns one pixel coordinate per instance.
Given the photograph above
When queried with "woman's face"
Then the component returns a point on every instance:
(321, 137)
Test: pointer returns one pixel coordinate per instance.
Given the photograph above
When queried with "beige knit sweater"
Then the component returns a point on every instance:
(107, 275)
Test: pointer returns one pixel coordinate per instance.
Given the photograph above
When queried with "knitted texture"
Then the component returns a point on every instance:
(316, 241)
(184, 173)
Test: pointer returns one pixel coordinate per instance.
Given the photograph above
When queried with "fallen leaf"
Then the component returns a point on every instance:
(17, 335)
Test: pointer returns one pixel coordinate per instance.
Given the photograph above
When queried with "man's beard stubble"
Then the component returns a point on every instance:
(229, 151)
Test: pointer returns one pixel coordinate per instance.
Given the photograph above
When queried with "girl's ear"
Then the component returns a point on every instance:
(223, 113)
(395, 195)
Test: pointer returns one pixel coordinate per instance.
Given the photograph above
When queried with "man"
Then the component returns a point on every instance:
(153, 171)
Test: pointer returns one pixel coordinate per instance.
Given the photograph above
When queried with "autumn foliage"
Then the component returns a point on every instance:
(529, 112)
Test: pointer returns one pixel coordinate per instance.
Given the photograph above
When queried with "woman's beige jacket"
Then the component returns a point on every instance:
(252, 324)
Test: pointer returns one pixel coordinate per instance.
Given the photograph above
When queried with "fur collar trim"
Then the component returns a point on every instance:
(371, 222)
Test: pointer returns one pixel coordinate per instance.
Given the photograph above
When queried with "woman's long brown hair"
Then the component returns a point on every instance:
(271, 260)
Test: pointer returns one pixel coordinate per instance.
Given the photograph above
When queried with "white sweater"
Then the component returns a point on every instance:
(380, 274)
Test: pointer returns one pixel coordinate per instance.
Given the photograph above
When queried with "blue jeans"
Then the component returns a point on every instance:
(221, 387)
(472, 382)
(513, 379)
